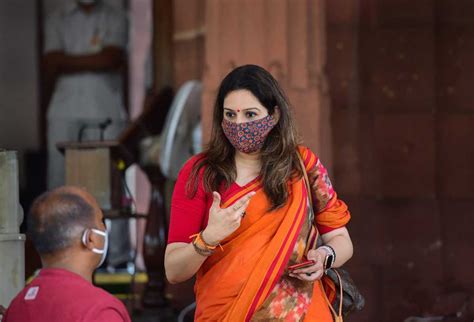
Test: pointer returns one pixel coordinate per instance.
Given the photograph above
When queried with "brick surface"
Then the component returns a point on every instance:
(188, 55)
(455, 69)
(395, 13)
(401, 104)
(342, 68)
(397, 70)
(341, 12)
(346, 152)
(413, 275)
(369, 254)
(458, 222)
(396, 264)
(457, 12)
(456, 156)
(188, 14)
(404, 149)
(370, 172)
(298, 45)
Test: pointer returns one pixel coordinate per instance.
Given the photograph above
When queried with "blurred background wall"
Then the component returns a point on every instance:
(19, 88)
(382, 92)
(402, 118)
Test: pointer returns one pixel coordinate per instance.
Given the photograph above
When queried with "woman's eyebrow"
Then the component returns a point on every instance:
(244, 109)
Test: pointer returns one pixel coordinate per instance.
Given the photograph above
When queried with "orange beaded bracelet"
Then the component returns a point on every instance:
(201, 247)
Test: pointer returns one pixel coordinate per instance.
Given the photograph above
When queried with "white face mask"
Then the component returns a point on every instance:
(102, 252)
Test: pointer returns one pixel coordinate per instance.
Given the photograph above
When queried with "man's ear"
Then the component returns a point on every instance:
(87, 239)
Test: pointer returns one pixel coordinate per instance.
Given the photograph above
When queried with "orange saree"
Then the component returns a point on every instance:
(247, 280)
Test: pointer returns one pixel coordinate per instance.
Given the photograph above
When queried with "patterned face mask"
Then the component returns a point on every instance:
(250, 136)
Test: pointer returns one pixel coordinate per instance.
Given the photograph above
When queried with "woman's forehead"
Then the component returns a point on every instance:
(241, 99)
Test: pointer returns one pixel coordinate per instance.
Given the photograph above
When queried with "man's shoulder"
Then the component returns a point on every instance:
(89, 294)
(73, 297)
(69, 284)
(105, 304)
(105, 297)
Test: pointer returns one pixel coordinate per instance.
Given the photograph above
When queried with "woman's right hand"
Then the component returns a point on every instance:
(224, 221)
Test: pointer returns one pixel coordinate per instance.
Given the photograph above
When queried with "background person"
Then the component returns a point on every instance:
(66, 228)
(85, 44)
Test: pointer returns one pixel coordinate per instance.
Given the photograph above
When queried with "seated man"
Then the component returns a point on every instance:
(66, 227)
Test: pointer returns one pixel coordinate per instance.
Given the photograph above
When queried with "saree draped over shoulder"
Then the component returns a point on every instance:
(248, 279)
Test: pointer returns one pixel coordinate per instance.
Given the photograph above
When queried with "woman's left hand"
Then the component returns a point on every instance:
(313, 272)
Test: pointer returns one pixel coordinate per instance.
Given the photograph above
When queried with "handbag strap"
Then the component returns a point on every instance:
(337, 317)
(306, 179)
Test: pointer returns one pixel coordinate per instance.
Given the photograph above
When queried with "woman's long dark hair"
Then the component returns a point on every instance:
(279, 159)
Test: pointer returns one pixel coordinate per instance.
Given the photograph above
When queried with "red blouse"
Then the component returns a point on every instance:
(190, 215)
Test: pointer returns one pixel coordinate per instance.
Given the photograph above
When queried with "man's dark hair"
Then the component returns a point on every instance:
(55, 219)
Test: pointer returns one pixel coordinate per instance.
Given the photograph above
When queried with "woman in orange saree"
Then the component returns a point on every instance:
(240, 212)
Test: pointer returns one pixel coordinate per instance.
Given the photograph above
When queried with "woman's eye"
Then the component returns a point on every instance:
(229, 114)
(250, 114)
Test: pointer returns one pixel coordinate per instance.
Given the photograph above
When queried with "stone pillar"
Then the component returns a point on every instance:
(12, 243)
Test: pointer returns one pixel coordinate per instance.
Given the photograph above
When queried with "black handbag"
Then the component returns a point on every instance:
(348, 298)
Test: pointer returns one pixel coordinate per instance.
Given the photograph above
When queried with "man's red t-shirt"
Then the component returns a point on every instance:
(58, 295)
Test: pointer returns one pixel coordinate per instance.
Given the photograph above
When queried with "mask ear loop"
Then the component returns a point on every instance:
(85, 234)
(99, 232)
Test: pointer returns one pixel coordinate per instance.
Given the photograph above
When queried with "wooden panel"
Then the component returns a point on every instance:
(90, 169)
